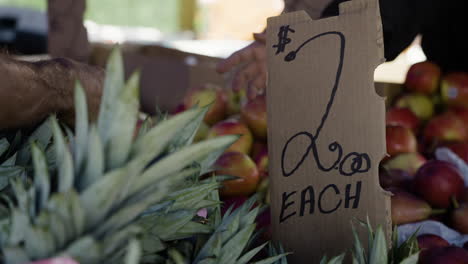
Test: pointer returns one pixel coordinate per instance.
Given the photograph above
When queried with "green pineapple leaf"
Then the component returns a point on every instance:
(133, 255)
(94, 164)
(64, 159)
(81, 127)
(4, 145)
(413, 259)
(121, 132)
(113, 86)
(379, 253)
(41, 176)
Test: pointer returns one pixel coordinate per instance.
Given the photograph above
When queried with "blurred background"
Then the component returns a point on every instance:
(207, 27)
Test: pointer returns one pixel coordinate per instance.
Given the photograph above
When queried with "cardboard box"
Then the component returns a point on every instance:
(326, 133)
(166, 74)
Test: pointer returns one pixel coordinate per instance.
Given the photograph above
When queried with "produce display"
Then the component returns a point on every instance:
(430, 114)
(120, 190)
(192, 186)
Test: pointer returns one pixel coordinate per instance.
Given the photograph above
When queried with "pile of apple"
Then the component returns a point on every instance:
(230, 113)
(431, 113)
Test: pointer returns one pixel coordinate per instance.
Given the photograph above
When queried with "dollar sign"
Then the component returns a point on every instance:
(283, 39)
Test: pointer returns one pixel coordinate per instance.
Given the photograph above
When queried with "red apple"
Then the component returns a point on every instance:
(180, 108)
(402, 117)
(262, 162)
(420, 105)
(408, 162)
(430, 241)
(254, 113)
(257, 147)
(400, 140)
(233, 127)
(462, 113)
(454, 89)
(395, 178)
(438, 182)
(239, 165)
(208, 95)
(464, 198)
(460, 219)
(444, 255)
(446, 127)
(408, 208)
(423, 77)
(459, 148)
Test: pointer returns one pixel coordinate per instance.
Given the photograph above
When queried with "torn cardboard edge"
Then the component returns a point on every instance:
(326, 133)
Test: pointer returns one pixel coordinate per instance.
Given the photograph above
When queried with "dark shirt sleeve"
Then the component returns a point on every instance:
(441, 24)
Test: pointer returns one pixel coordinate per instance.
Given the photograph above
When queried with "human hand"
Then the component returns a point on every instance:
(249, 66)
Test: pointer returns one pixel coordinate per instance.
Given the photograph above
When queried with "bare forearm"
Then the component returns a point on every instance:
(29, 92)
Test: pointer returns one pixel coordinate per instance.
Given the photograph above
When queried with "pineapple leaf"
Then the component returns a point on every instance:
(378, 253)
(185, 137)
(118, 239)
(133, 255)
(58, 205)
(94, 165)
(249, 255)
(56, 225)
(4, 145)
(165, 225)
(84, 250)
(190, 197)
(81, 127)
(123, 126)
(41, 176)
(190, 229)
(324, 260)
(113, 85)
(153, 143)
(271, 260)
(21, 194)
(337, 259)
(77, 212)
(413, 259)
(7, 173)
(19, 224)
(39, 242)
(358, 253)
(158, 190)
(120, 218)
(181, 159)
(176, 256)
(235, 246)
(151, 243)
(15, 255)
(99, 198)
(42, 136)
(211, 248)
(64, 159)
(11, 161)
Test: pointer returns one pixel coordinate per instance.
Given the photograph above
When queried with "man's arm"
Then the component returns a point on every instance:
(29, 92)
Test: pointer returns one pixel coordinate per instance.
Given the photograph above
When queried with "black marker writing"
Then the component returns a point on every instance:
(351, 163)
(283, 39)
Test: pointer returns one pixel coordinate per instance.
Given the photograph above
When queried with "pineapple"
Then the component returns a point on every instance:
(100, 195)
(87, 207)
(377, 252)
(15, 153)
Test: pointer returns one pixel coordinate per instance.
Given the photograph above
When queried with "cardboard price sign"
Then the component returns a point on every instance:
(326, 128)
